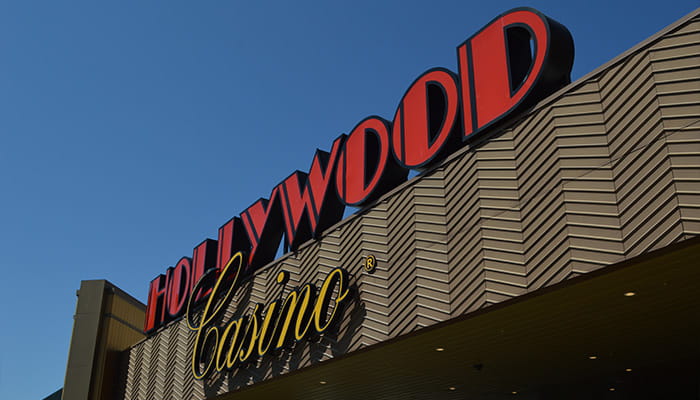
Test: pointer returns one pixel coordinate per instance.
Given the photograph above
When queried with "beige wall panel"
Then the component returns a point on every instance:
(679, 91)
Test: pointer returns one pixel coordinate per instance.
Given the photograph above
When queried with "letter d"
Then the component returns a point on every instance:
(517, 60)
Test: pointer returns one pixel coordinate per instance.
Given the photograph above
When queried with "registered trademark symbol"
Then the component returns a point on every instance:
(370, 263)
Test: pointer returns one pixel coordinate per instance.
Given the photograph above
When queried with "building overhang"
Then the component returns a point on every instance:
(536, 344)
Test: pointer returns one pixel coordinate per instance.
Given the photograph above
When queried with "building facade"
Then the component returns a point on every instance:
(555, 256)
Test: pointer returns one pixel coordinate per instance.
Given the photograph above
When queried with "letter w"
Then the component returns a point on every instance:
(309, 202)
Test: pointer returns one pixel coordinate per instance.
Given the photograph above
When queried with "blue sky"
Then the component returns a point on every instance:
(130, 131)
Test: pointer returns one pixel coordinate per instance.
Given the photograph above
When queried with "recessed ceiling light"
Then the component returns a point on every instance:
(630, 294)
(440, 349)
(322, 382)
(592, 357)
(453, 388)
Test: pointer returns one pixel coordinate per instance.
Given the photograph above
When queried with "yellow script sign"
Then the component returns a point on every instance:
(230, 344)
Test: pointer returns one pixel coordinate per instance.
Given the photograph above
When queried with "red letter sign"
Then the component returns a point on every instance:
(515, 61)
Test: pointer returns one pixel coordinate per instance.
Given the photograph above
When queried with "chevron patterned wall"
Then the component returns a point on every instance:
(603, 171)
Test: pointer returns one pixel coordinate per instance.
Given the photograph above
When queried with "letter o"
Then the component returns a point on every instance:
(179, 287)
(426, 118)
(365, 167)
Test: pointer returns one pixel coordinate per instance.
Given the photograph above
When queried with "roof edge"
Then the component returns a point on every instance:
(613, 62)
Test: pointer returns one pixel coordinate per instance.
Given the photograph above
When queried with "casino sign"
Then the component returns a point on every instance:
(513, 62)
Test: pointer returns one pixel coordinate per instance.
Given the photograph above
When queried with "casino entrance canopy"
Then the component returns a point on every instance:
(573, 340)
